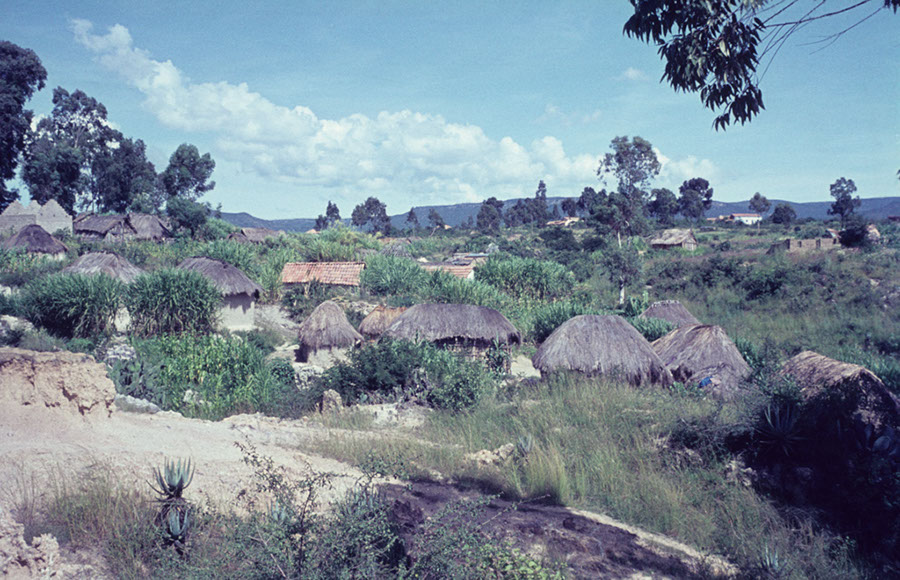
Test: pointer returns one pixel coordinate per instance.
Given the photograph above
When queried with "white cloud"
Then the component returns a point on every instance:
(398, 152)
(678, 170)
(632, 74)
(553, 114)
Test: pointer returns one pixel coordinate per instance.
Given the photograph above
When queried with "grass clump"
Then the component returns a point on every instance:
(73, 305)
(172, 301)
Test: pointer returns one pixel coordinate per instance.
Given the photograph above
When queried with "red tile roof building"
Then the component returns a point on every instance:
(334, 273)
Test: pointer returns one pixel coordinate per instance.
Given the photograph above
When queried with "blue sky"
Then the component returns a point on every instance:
(419, 103)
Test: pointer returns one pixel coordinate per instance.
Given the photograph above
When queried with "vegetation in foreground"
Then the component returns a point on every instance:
(288, 536)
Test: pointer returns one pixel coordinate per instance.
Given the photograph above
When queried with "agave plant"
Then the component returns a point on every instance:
(780, 429)
(172, 481)
(175, 528)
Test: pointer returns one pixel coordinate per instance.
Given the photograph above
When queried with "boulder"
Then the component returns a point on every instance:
(331, 404)
(11, 324)
(131, 404)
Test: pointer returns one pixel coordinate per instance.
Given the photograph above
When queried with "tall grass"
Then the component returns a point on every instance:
(73, 305)
(526, 277)
(172, 301)
(18, 267)
(613, 449)
(240, 255)
(385, 275)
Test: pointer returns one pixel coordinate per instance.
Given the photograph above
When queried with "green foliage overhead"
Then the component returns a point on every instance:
(696, 198)
(22, 74)
(172, 301)
(844, 204)
(189, 216)
(73, 305)
(713, 48)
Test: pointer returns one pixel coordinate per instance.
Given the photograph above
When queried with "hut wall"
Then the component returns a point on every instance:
(11, 224)
(237, 312)
(324, 357)
(53, 219)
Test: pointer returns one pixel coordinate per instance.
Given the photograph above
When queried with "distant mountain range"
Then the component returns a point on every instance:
(877, 208)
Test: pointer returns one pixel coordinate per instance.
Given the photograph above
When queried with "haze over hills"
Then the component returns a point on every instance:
(876, 208)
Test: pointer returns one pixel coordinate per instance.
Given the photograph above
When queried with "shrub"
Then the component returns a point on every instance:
(526, 277)
(73, 305)
(9, 304)
(392, 275)
(172, 301)
(393, 369)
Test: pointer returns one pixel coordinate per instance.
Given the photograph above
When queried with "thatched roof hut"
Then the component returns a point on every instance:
(699, 351)
(34, 238)
(379, 320)
(148, 227)
(326, 332)
(670, 311)
(602, 345)
(134, 226)
(452, 324)
(259, 235)
(227, 279)
(674, 238)
(829, 380)
(109, 263)
(240, 292)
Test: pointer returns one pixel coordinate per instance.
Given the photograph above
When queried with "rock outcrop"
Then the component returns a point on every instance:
(69, 382)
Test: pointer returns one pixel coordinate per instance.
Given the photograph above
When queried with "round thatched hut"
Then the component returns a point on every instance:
(109, 263)
(240, 292)
(602, 345)
(670, 311)
(853, 387)
(326, 335)
(460, 325)
(379, 320)
(35, 239)
(697, 352)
